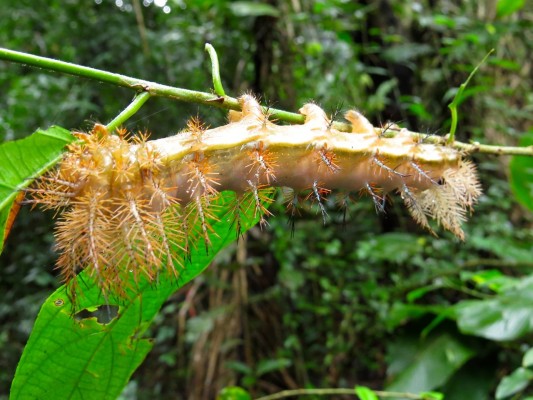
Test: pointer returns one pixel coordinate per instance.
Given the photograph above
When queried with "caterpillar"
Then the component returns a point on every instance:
(129, 204)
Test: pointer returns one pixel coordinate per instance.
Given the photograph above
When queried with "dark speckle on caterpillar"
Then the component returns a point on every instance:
(129, 205)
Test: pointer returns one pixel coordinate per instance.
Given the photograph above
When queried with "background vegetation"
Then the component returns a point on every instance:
(370, 299)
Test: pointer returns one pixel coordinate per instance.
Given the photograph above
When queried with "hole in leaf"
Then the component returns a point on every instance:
(104, 314)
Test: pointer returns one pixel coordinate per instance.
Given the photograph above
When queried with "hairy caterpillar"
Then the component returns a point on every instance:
(130, 205)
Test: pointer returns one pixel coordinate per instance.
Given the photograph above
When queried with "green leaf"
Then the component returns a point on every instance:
(266, 366)
(493, 279)
(474, 381)
(521, 169)
(234, 393)
(432, 395)
(444, 20)
(365, 393)
(251, 9)
(239, 366)
(507, 316)
(418, 366)
(505, 248)
(25, 159)
(527, 361)
(402, 53)
(506, 64)
(396, 248)
(73, 358)
(417, 293)
(508, 7)
(514, 383)
(420, 111)
(400, 313)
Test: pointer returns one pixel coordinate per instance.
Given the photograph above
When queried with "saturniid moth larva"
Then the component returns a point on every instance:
(128, 204)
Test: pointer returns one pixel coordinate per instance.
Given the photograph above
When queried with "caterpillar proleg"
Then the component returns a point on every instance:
(129, 205)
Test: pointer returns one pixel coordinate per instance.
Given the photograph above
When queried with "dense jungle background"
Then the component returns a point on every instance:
(366, 299)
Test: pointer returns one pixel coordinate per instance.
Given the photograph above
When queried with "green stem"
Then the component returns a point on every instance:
(338, 391)
(215, 70)
(453, 127)
(474, 147)
(229, 103)
(154, 88)
(455, 102)
(134, 106)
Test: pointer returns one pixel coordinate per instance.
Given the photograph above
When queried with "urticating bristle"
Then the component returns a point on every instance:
(200, 218)
(201, 177)
(379, 200)
(421, 173)
(318, 195)
(196, 128)
(263, 163)
(327, 158)
(260, 200)
(415, 207)
(382, 165)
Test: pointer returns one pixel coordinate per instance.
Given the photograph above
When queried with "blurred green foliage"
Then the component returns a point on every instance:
(368, 299)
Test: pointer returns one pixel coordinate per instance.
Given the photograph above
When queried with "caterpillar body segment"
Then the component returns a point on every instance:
(136, 206)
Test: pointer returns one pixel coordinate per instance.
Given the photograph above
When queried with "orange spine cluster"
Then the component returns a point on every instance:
(130, 206)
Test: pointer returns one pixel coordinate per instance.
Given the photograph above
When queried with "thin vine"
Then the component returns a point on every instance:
(341, 391)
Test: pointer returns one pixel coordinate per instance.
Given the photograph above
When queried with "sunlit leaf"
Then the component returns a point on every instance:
(365, 393)
(432, 395)
(23, 160)
(507, 7)
(251, 9)
(514, 383)
(507, 316)
(233, 393)
(527, 361)
(405, 52)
